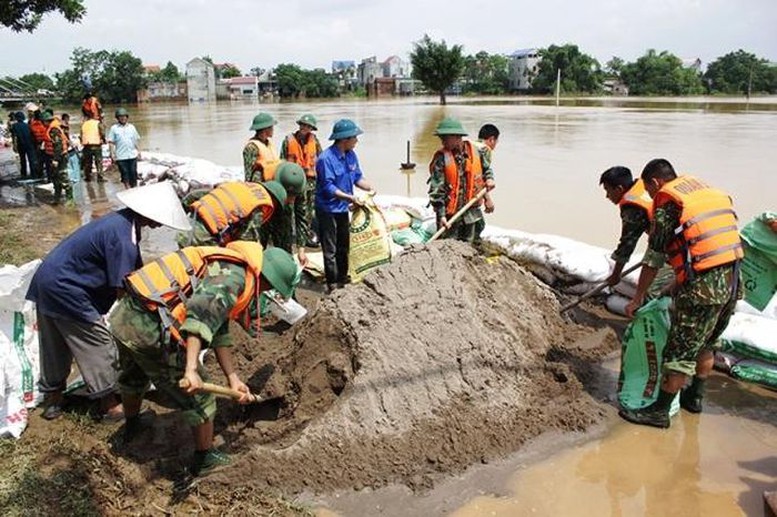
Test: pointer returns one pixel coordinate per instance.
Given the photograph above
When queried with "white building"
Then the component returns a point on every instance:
(522, 67)
(395, 66)
(200, 80)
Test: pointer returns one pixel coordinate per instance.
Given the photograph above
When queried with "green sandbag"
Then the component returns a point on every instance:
(642, 354)
(757, 372)
(407, 236)
(741, 349)
(759, 267)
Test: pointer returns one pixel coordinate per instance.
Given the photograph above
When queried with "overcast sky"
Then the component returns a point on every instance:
(313, 33)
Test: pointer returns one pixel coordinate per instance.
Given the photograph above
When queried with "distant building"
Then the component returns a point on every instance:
(395, 66)
(345, 73)
(522, 67)
(200, 80)
(242, 87)
(151, 69)
(163, 91)
(369, 70)
(615, 87)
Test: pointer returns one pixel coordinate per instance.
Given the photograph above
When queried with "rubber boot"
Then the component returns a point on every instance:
(208, 461)
(654, 415)
(691, 397)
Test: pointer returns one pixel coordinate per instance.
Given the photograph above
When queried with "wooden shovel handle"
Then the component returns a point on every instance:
(221, 391)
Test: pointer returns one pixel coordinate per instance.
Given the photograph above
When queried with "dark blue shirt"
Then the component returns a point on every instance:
(335, 170)
(78, 279)
(21, 131)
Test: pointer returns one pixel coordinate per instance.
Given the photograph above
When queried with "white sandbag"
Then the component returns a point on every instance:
(13, 414)
(751, 336)
(14, 282)
(616, 303)
(417, 207)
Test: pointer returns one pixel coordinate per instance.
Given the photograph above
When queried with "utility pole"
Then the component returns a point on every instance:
(558, 86)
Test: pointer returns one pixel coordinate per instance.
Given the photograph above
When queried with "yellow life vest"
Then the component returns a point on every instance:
(90, 132)
(638, 196)
(163, 286)
(266, 161)
(707, 236)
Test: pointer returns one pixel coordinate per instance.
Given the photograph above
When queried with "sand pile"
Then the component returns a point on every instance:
(436, 361)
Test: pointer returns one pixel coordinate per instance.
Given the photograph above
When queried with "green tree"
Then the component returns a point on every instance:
(116, 76)
(295, 82)
(741, 72)
(26, 15)
(38, 81)
(228, 70)
(485, 74)
(580, 73)
(436, 65)
(614, 66)
(661, 74)
(169, 74)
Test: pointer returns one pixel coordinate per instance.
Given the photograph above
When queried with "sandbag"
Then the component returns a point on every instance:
(370, 241)
(759, 267)
(642, 354)
(759, 372)
(396, 218)
(750, 336)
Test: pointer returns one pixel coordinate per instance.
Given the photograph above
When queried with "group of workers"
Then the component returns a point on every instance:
(238, 238)
(692, 227)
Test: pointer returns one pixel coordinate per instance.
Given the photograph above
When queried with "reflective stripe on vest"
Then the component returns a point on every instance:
(473, 172)
(304, 156)
(707, 236)
(638, 196)
(229, 204)
(90, 132)
(267, 160)
(165, 285)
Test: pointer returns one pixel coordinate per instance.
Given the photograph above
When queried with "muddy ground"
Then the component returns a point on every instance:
(443, 359)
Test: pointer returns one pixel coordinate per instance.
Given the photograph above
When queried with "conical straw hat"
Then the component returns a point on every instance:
(158, 202)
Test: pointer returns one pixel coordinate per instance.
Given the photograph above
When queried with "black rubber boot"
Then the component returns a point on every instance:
(691, 397)
(654, 415)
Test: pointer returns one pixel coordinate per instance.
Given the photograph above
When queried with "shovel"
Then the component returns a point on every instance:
(221, 391)
(596, 290)
(458, 214)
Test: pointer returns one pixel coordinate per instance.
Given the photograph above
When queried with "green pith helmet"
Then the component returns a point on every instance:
(345, 128)
(292, 177)
(308, 119)
(261, 121)
(450, 126)
(276, 190)
(279, 268)
(122, 112)
(47, 116)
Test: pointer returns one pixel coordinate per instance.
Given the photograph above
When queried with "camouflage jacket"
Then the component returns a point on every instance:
(634, 222)
(438, 187)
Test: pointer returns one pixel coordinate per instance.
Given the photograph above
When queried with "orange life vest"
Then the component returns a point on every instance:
(474, 175)
(267, 160)
(303, 155)
(48, 144)
(91, 107)
(707, 236)
(40, 132)
(638, 196)
(223, 209)
(164, 285)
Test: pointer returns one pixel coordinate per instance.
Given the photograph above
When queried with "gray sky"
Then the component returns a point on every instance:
(313, 33)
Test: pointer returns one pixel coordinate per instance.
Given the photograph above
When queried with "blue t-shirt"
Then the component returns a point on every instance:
(78, 279)
(335, 170)
(126, 139)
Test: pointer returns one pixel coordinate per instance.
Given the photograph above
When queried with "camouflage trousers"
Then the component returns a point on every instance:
(695, 327)
(162, 364)
(310, 201)
(61, 180)
(279, 231)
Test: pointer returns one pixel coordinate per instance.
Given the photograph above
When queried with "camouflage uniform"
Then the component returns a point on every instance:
(308, 199)
(702, 305)
(60, 177)
(145, 356)
(471, 223)
(249, 229)
(287, 226)
(634, 222)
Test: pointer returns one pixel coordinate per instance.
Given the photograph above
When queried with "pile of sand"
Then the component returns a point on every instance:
(434, 362)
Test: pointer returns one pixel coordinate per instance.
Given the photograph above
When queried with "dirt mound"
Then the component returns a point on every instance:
(436, 361)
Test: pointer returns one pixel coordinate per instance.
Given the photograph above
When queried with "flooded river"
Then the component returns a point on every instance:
(548, 160)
